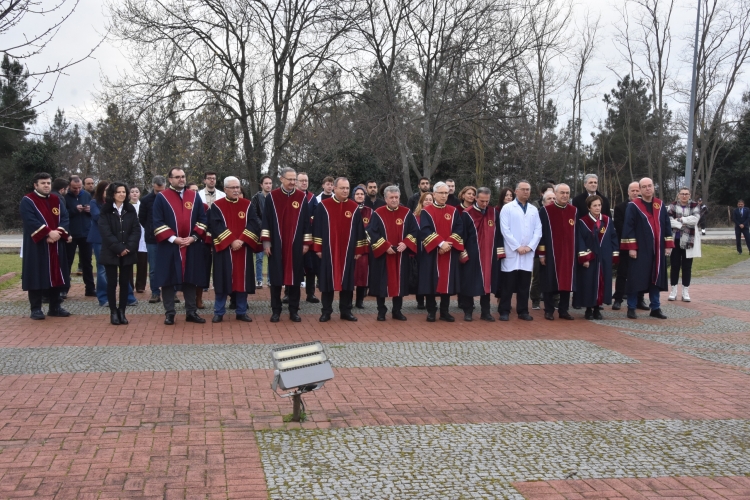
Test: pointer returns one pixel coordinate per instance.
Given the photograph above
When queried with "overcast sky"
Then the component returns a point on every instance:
(74, 91)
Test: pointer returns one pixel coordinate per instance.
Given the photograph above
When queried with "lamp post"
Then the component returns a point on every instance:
(691, 117)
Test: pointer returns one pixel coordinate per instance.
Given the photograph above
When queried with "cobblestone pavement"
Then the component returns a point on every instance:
(481, 461)
(537, 410)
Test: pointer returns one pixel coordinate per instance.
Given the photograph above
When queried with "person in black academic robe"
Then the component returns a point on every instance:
(235, 228)
(339, 239)
(557, 253)
(483, 245)
(393, 232)
(311, 261)
(286, 237)
(597, 248)
(179, 223)
(45, 233)
(647, 237)
(362, 266)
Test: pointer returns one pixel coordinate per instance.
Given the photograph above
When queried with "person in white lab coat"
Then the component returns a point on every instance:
(522, 230)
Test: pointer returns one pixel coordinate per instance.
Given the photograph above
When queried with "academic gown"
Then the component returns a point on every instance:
(286, 224)
(483, 246)
(339, 233)
(438, 273)
(558, 247)
(312, 263)
(45, 265)
(362, 265)
(389, 274)
(650, 233)
(600, 248)
(181, 217)
(207, 244)
(234, 270)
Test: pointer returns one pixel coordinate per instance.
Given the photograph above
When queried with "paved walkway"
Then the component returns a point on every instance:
(536, 410)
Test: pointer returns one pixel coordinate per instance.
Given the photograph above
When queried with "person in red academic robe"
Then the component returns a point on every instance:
(557, 252)
(393, 232)
(286, 238)
(45, 233)
(235, 228)
(339, 239)
(483, 246)
(442, 242)
(179, 223)
(362, 265)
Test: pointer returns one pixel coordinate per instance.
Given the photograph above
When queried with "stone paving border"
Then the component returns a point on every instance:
(482, 460)
(78, 359)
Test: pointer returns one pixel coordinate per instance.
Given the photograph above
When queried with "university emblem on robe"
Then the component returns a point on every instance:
(56, 211)
(241, 215)
(447, 216)
(399, 222)
(603, 229)
(571, 222)
(365, 220)
(348, 214)
(490, 223)
(188, 205)
(295, 204)
(657, 206)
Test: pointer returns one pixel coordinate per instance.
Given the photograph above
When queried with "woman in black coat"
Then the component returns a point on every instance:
(121, 232)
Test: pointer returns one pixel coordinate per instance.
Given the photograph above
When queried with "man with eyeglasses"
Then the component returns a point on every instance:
(179, 220)
(210, 194)
(312, 263)
(286, 238)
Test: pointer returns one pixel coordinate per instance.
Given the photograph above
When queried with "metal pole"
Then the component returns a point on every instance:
(691, 116)
(296, 407)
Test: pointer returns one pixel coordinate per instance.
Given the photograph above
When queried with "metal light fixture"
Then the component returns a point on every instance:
(300, 368)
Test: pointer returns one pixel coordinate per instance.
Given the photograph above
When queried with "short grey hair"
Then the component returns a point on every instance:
(484, 190)
(231, 178)
(285, 170)
(336, 181)
(391, 189)
(439, 185)
(158, 180)
(590, 176)
(560, 185)
(522, 181)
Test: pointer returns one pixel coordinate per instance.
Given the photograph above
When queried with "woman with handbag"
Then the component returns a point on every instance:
(121, 233)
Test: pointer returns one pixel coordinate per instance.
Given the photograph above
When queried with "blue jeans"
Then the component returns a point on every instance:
(101, 279)
(653, 297)
(151, 248)
(259, 266)
(220, 301)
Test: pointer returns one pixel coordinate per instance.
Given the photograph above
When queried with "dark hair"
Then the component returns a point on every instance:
(371, 181)
(59, 184)
(99, 191)
(327, 179)
(39, 176)
(449, 180)
(244, 194)
(169, 174)
(187, 186)
(504, 191)
(741, 200)
(267, 177)
(423, 179)
(545, 186)
(73, 178)
(88, 177)
(112, 189)
(591, 199)
(209, 173)
(382, 187)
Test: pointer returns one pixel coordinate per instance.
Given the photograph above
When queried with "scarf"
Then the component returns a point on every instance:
(687, 233)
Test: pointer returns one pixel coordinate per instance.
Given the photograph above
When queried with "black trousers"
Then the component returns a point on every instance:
(517, 282)
(345, 301)
(622, 279)
(398, 302)
(84, 258)
(678, 261)
(35, 298)
(141, 272)
(536, 290)
(293, 292)
(420, 299)
(361, 293)
(466, 303)
(126, 276)
(744, 231)
(310, 283)
(563, 305)
(431, 303)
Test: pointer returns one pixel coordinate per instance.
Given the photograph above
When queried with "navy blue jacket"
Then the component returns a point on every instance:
(80, 222)
(741, 217)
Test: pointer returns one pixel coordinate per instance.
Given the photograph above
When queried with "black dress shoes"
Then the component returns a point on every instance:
(295, 317)
(420, 305)
(447, 317)
(381, 316)
(324, 318)
(194, 318)
(504, 317)
(244, 317)
(275, 318)
(285, 300)
(398, 316)
(467, 317)
(656, 313)
(359, 305)
(312, 299)
(590, 313)
(617, 305)
(121, 315)
(525, 317)
(60, 312)
(598, 313)
(169, 319)
(642, 305)
(431, 317)
(566, 316)
(218, 318)
(632, 314)
(348, 317)
(114, 318)
(37, 315)
(549, 316)
(487, 317)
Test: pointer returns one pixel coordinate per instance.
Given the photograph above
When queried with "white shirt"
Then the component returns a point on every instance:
(142, 243)
(208, 198)
(519, 230)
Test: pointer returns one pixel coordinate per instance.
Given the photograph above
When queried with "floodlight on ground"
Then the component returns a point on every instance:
(300, 368)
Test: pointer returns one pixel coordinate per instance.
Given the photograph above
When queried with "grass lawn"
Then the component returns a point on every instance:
(10, 262)
(715, 258)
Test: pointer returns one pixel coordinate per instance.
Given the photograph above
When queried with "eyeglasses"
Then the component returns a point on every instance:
(177, 177)
(232, 187)
(290, 179)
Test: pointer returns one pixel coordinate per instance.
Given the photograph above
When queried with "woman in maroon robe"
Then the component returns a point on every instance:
(361, 266)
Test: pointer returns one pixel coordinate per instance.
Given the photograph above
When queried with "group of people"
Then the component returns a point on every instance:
(352, 240)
